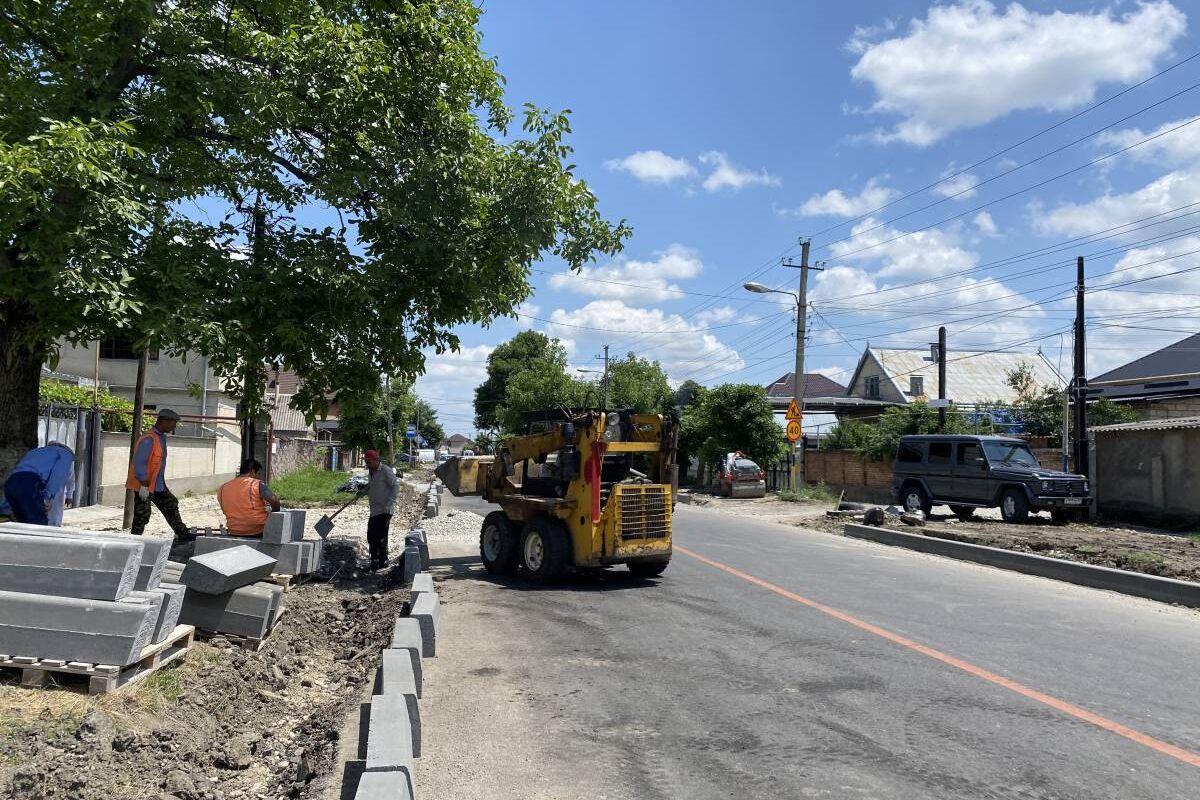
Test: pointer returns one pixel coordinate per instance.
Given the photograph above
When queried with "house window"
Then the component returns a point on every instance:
(120, 348)
(916, 385)
(872, 384)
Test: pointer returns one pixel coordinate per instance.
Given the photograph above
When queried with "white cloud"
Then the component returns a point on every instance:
(652, 166)
(449, 385)
(526, 310)
(924, 254)
(679, 344)
(967, 64)
(836, 203)
(648, 281)
(960, 187)
(984, 222)
(1178, 148)
(726, 175)
(1173, 190)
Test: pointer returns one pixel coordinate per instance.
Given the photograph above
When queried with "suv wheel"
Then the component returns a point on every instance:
(1013, 506)
(913, 498)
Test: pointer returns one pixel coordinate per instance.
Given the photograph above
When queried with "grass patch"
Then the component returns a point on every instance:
(310, 486)
(1194, 539)
(810, 492)
(1089, 549)
(1143, 557)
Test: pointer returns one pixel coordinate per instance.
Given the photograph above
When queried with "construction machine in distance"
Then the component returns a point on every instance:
(584, 488)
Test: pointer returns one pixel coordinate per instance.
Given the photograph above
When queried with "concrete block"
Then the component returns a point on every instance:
(412, 563)
(224, 571)
(427, 610)
(431, 510)
(75, 629)
(389, 740)
(385, 784)
(395, 679)
(156, 600)
(248, 611)
(278, 529)
(155, 550)
(299, 523)
(292, 558)
(422, 582)
(173, 595)
(90, 568)
(417, 539)
(406, 638)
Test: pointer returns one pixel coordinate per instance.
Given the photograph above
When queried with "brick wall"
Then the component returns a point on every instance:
(1171, 409)
(846, 468)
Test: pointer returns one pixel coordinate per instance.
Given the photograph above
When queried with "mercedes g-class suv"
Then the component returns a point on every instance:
(970, 472)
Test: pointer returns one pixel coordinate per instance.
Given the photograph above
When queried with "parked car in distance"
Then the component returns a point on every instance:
(738, 476)
(443, 457)
(970, 472)
(425, 456)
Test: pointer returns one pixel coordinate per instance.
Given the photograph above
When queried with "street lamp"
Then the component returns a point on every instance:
(605, 381)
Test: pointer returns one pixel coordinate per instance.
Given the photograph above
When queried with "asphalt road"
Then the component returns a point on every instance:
(774, 663)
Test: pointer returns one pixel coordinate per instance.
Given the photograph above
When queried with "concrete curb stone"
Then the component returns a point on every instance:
(427, 610)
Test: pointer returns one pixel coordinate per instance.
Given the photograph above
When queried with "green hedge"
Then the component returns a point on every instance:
(118, 412)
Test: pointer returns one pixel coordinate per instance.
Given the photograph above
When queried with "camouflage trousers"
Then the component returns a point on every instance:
(168, 506)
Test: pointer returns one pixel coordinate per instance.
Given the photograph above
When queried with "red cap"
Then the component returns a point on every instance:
(371, 455)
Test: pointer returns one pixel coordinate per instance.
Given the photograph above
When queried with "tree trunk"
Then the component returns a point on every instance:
(20, 372)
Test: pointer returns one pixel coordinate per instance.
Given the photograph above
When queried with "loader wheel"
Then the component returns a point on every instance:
(499, 544)
(544, 550)
(648, 568)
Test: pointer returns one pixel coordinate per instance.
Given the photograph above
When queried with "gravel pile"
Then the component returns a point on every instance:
(452, 526)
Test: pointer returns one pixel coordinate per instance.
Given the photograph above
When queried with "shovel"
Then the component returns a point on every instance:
(325, 524)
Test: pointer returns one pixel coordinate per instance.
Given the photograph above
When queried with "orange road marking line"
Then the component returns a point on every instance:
(1186, 756)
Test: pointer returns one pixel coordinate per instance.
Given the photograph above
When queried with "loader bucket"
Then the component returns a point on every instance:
(464, 475)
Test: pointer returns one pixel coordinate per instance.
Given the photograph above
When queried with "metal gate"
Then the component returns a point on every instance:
(78, 429)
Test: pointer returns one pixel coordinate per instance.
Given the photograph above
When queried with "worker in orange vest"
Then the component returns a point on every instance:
(148, 478)
(246, 500)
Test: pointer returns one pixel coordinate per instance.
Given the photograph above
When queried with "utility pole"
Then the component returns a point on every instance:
(139, 401)
(1080, 370)
(605, 357)
(941, 378)
(387, 399)
(801, 333)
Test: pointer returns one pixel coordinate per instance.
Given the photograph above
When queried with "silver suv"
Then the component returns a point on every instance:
(970, 472)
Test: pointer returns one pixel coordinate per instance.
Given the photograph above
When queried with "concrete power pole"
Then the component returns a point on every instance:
(941, 378)
(801, 333)
(387, 399)
(1080, 369)
(139, 402)
(605, 377)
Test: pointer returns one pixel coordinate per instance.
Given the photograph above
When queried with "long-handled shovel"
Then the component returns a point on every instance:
(325, 524)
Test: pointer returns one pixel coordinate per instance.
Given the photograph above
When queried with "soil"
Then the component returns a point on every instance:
(1137, 549)
(225, 723)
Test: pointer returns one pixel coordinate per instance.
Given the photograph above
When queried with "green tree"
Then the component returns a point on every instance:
(509, 358)
(424, 416)
(639, 384)
(545, 384)
(119, 113)
(364, 420)
(1041, 410)
(733, 417)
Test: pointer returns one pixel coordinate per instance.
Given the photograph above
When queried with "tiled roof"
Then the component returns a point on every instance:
(813, 384)
(972, 378)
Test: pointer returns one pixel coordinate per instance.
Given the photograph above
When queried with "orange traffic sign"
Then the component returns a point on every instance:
(793, 410)
(793, 430)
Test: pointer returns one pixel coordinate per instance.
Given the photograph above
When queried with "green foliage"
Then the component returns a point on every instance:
(1042, 410)
(1106, 412)
(639, 384)
(732, 417)
(117, 115)
(879, 441)
(545, 384)
(310, 486)
(814, 492)
(118, 412)
(526, 373)
(505, 361)
(849, 434)
(364, 420)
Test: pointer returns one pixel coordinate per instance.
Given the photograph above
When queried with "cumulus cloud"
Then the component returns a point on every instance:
(960, 187)
(653, 166)
(924, 254)
(727, 175)
(1170, 191)
(984, 223)
(1177, 148)
(969, 63)
(449, 382)
(648, 281)
(836, 203)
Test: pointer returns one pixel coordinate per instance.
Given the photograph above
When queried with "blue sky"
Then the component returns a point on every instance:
(724, 132)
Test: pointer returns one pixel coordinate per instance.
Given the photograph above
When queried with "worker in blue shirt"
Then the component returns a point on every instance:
(38, 486)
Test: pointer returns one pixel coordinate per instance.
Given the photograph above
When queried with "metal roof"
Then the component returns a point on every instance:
(812, 384)
(972, 378)
(286, 418)
(1150, 425)
(1174, 359)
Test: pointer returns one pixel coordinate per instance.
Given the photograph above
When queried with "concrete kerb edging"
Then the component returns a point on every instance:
(1151, 587)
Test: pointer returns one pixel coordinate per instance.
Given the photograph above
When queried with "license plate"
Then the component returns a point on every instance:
(1073, 501)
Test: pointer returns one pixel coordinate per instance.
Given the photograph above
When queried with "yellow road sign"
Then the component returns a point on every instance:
(793, 430)
(793, 410)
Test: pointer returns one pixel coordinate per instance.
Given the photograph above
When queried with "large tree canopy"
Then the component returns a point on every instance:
(638, 383)
(731, 417)
(504, 362)
(138, 136)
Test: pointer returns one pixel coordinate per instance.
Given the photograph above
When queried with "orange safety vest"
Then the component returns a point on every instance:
(245, 511)
(153, 463)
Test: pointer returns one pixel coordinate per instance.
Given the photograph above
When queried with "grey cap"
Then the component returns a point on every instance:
(167, 413)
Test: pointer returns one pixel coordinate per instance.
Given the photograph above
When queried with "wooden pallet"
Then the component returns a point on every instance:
(248, 643)
(285, 581)
(36, 673)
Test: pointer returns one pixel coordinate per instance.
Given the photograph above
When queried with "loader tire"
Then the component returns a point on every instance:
(544, 550)
(649, 568)
(499, 544)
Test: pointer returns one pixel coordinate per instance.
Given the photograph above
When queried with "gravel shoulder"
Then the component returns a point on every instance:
(1137, 549)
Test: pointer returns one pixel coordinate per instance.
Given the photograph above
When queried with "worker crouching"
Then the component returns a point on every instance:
(247, 500)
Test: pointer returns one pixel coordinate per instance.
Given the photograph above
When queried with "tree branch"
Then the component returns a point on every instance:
(38, 39)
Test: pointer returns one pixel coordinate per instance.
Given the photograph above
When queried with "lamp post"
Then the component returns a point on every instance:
(604, 379)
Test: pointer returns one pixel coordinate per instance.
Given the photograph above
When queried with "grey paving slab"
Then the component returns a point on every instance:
(417, 540)
(278, 529)
(75, 629)
(247, 611)
(406, 638)
(385, 784)
(290, 558)
(422, 582)
(226, 570)
(156, 600)
(156, 550)
(394, 678)
(299, 523)
(173, 594)
(427, 611)
(91, 568)
(389, 739)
